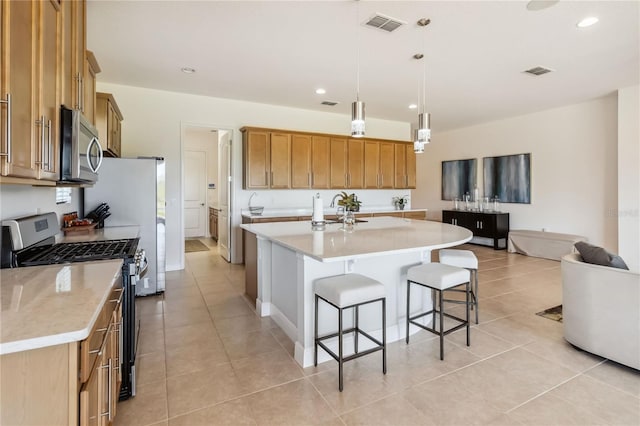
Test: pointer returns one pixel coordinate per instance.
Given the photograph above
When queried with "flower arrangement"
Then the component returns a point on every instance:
(349, 202)
(400, 202)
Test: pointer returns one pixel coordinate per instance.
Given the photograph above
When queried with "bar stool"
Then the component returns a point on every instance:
(463, 259)
(438, 277)
(344, 292)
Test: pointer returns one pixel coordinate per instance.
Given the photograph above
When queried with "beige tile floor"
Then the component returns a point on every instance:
(205, 358)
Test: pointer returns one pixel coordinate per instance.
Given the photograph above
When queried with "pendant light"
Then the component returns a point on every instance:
(423, 133)
(357, 107)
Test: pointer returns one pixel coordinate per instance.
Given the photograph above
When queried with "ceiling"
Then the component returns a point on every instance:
(278, 52)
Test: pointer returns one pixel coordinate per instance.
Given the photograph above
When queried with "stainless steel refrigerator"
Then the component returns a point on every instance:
(134, 189)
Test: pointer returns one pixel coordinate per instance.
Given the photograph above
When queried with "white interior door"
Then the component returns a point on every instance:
(195, 184)
(224, 195)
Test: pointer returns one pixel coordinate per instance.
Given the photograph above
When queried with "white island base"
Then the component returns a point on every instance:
(290, 259)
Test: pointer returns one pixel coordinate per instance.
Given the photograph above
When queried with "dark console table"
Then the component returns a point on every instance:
(492, 225)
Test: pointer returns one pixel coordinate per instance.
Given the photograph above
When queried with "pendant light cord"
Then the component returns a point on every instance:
(357, 50)
(424, 73)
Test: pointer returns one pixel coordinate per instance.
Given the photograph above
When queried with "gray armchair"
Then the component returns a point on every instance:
(601, 310)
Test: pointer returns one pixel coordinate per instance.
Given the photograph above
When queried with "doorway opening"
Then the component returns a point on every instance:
(206, 192)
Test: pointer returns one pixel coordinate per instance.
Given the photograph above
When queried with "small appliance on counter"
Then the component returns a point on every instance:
(30, 241)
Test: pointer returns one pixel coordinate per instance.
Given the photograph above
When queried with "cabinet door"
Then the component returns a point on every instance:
(355, 156)
(300, 161)
(19, 45)
(419, 215)
(89, 87)
(338, 163)
(400, 180)
(89, 402)
(280, 161)
(410, 161)
(256, 160)
(448, 217)
(79, 49)
(320, 162)
(371, 164)
(48, 88)
(387, 164)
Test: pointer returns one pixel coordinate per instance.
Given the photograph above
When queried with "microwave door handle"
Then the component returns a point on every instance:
(94, 141)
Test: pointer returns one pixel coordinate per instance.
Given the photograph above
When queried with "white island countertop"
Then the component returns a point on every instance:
(51, 305)
(376, 236)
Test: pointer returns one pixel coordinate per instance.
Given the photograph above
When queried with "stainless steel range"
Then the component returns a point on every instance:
(30, 241)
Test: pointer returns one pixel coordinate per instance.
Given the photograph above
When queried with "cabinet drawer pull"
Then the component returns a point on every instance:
(7, 128)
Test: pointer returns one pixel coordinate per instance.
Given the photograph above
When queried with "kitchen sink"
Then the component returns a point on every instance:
(329, 222)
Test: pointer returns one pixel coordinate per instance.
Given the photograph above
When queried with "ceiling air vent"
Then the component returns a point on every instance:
(383, 22)
(329, 103)
(538, 70)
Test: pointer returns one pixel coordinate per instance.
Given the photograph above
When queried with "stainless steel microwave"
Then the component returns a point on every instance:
(80, 150)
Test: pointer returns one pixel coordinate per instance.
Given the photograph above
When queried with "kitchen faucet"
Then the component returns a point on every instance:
(333, 201)
(252, 195)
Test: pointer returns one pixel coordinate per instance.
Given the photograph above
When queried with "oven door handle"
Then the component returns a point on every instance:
(144, 270)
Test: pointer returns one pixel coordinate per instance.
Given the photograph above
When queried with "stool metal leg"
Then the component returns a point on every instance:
(442, 325)
(467, 285)
(355, 337)
(384, 336)
(433, 315)
(408, 304)
(475, 293)
(315, 335)
(340, 361)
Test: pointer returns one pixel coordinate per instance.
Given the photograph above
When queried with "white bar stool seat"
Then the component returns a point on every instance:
(463, 259)
(438, 277)
(345, 292)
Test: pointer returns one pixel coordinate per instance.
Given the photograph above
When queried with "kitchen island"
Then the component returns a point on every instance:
(286, 258)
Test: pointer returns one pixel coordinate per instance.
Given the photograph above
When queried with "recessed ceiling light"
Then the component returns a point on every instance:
(587, 22)
(413, 106)
(535, 5)
(188, 70)
(320, 91)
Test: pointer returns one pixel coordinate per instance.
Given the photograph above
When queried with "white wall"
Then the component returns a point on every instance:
(629, 176)
(152, 126)
(25, 200)
(573, 167)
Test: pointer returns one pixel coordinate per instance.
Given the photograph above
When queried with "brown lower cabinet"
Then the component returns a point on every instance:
(76, 383)
(213, 223)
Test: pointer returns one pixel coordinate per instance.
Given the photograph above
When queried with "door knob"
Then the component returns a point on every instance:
(202, 204)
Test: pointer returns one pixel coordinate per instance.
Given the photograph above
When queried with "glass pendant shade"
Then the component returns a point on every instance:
(424, 128)
(418, 147)
(357, 119)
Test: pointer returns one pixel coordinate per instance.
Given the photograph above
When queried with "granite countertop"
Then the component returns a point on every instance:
(110, 233)
(379, 235)
(331, 211)
(50, 305)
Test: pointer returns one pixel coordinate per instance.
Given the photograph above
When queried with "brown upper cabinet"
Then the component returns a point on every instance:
(405, 166)
(109, 124)
(339, 163)
(74, 57)
(30, 89)
(320, 162)
(91, 68)
(355, 168)
(300, 160)
(378, 165)
(267, 159)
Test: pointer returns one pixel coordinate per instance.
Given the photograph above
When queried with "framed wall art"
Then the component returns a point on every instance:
(508, 177)
(458, 178)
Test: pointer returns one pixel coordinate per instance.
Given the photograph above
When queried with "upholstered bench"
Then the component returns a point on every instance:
(548, 245)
